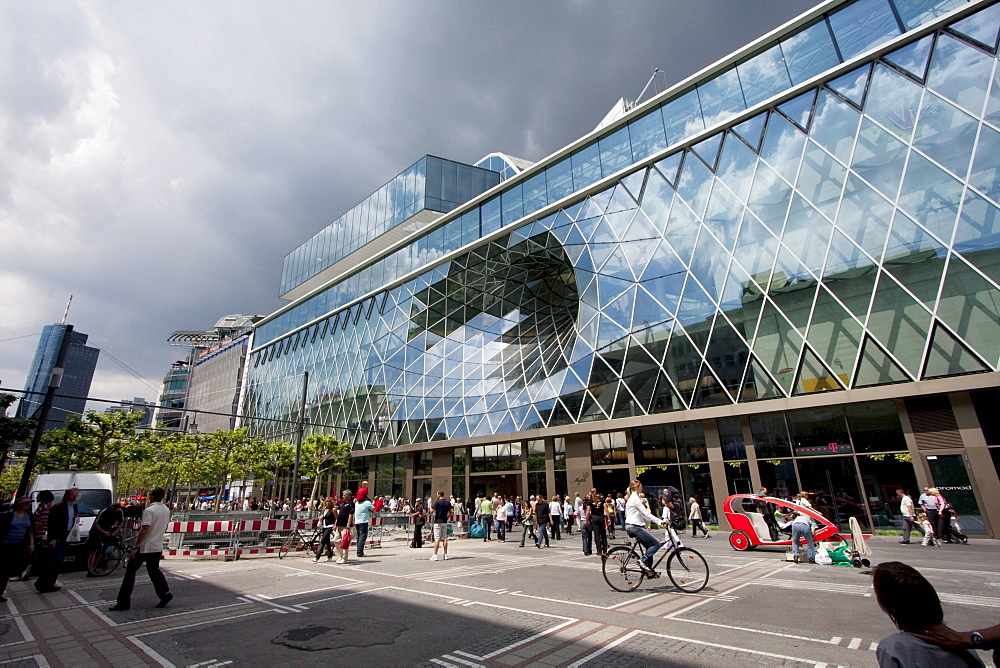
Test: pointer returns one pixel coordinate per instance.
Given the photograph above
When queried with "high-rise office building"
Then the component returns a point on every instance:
(78, 372)
(781, 272)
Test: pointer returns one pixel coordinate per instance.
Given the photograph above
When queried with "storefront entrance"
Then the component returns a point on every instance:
(952, 480)
(832, 484)
(507, 485)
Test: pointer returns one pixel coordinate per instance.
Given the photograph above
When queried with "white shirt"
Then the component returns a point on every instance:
(906, 506)
(577, 504)
(156, 517)
(636, 513)
(695, 513)
(500, 512)
(555, 509)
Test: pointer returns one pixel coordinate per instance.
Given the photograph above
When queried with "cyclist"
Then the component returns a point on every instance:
(636, 518)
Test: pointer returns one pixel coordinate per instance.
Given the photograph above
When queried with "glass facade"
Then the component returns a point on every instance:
(78, 372)
(740, 242)
(431, 183)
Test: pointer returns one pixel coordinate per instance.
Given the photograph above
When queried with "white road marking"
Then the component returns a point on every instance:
(150, 652)
(21, 626)
(854, 644)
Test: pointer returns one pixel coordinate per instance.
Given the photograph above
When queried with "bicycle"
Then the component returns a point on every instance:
(104, 559)
(686, 568)
(301, 538)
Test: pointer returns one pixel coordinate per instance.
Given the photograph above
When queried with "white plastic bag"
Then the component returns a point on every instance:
(823, 555)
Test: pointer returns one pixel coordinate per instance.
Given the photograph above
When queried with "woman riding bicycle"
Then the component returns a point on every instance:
(636, 518)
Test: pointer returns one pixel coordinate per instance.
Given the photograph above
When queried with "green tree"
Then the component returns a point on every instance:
(322, 454)
(12, 429)
(231, 453)
(10, 479)
(92, 443)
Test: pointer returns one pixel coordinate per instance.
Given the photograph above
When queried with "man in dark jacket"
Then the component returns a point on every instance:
(62, 519)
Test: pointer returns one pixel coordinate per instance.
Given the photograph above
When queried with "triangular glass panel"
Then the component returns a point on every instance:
(600, 252)
(708, 149)
(807, 234)
(638, 361)
(626, 404)
(634, 182)
(899, 323)
(864, 216)
(710, 391)
(876, 367)
(682, 363)
(665, 396)
(821, 179)
(620, 221)
(813, 376)
(592, 409)
(969, 306)
(602, 199)
(637, 254)
(948, 357)
(985, 174)
(621, 200)
(723, 215)
(694, 184)
(621, 308)
(931, 195)
(663, 262)
(960, 72)
(757, 384)
(573, 210)
(755, 249)
(751, 130)
(981, 27)
(915, 259)
(894, 101)
(738, 289)
(710, 264)
(853, 84)
(977, 235)
(727, 353)
(668, 167)
(611, 288)
(641, 229)
(696, 308)
(667, 290)
(835, 125)
(782, 147)
(736, 166)
(879, 158)
(834, 335)
(946, 133)
(590, 209)
(799, 109)
(777, 344)
(912, 58)
(656, 199)
(682, 230)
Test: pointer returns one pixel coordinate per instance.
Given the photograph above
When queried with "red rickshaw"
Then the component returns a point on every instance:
(746, 515)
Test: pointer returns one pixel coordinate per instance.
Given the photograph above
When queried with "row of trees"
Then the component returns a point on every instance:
(146, 459)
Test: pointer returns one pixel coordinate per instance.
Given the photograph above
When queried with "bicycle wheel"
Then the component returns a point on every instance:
(688, 570)
(621, 569)
(101, 563)
(287, 545)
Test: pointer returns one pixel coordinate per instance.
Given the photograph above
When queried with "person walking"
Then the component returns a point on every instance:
(555, 510)
(543, 518)
(148, 550)
(943, 526)
(509, 509)
(44, 500)
(568, 515)
(908, 514)
(930, 502)
(362, 519)
(345, 523)
(329, 523)
(596, 522)
(62, 525)
(620, 509)
(500, 514)
(930, 537)
(486, 517)
(17, 541)
(442, 509)
(694, 516)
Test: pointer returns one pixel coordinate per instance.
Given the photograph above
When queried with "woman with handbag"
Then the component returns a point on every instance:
(417, 518)
(345, 523)
(329, 521)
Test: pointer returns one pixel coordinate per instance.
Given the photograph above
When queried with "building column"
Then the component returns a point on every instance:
(920, 467)
(579, 473)
(720, 488)
(755, 483)
(441, 465)
(550, 467)
(985, 484)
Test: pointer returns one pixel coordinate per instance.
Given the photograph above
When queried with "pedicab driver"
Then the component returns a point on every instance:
(636, 518)
(149, 551)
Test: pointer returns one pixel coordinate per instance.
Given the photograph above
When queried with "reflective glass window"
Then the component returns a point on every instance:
(691, 442)
(931, 195)
(682, 117)
(809, 52)
(616, 151)
(763, 76)
(609, 448)
(893, 101)
(586, 166)
(879, 158)
(721, 97)
(654, 445)
(736, 166)
(981, 26)
(648, 136)
(559, 180)
(821, 179)
(875, 426)
(960, 73)
(862, 25)
(835, 125)
(770, 436)
(782, 147)
(490, 213)
(985, 173)
(512, 204)
(731, 438)
(819, 431)
(915, 13)
(946, 134)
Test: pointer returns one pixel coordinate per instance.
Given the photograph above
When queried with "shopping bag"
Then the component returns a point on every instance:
(477, 531)
(345, 540)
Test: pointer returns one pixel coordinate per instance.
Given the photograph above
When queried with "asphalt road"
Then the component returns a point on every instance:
(489, 604)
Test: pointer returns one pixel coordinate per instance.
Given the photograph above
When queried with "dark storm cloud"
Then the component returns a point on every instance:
(162, 158)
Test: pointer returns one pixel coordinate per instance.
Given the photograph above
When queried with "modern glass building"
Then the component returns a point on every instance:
(78, 373)
(781, 272)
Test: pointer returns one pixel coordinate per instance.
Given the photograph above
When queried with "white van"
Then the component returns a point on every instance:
(96, 493)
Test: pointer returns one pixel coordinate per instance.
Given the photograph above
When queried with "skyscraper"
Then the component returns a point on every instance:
(78, 372)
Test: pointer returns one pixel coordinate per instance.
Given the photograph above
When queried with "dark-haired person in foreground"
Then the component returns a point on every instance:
(149, 551)
(914, 607)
